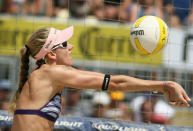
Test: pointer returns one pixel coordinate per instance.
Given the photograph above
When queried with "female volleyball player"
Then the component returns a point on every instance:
(36, 103)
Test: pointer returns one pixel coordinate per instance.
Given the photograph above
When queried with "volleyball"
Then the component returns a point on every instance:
(149, 34)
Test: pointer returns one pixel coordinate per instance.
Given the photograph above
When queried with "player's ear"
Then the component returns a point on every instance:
(51, 55)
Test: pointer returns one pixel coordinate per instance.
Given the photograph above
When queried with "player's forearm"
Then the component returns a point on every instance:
(126, 83)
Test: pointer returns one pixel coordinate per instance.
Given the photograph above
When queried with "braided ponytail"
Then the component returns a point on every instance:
(39, 63)
(34, 44)
(25, 53)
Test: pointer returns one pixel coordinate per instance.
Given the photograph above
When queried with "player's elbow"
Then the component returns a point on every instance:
(116, 83)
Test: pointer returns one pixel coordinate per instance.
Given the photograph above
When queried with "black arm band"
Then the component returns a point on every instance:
(106, 82)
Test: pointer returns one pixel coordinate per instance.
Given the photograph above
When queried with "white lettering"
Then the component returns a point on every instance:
(102, 127)
(6, 118)
(69, 124)
(106, 82)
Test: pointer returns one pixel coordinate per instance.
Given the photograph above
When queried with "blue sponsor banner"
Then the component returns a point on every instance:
(91, 124)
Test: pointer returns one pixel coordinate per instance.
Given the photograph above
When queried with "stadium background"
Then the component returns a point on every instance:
(101, 43)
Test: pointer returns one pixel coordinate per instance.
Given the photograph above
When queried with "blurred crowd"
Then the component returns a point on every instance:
(176, 13)
(113, 105)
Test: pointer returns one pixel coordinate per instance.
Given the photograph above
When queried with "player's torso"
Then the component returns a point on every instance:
(31, 123)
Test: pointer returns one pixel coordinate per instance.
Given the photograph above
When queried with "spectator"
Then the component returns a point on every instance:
(148, 7)
(1, 6)
(182, 9)
(38, 7)
(111, 9)
(117, 108)
(4, 104)
(28, 7)
(5, 87)
(105, 9)
(10, 6)
(149, 115)
(159, 109)
(168, 11)
(60, 8)
(75, 106)
(128, 11)
(44, 7)
(100, 102)
(174, 21)
(79, 8)
(96, 8)
(146, 111)
(170, 17)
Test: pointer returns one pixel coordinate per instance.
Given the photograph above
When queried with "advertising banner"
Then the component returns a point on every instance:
(93, 124)
(100, 42)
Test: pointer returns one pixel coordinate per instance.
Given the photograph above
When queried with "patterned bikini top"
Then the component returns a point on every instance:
(50, 111)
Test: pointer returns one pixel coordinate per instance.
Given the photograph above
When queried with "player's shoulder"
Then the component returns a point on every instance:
(59, 68)
(50, 70)
(44, 69)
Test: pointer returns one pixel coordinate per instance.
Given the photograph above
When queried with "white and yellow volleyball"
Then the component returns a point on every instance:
(149, 34)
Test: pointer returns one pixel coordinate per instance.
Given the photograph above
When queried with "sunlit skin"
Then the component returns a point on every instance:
(63, 56)
(58, 73)
(30, 98)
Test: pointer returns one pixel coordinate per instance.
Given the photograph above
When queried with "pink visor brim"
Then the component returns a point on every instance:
(55, 37)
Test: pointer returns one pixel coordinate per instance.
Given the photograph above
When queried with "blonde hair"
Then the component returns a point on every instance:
(33, 46)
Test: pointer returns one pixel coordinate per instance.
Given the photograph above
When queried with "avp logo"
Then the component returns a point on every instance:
(138, 32)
